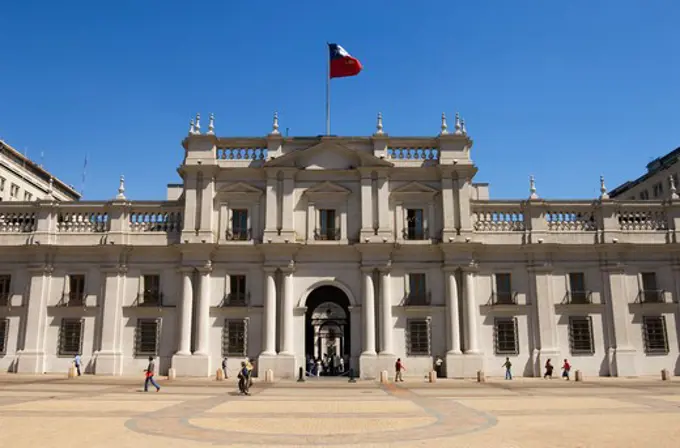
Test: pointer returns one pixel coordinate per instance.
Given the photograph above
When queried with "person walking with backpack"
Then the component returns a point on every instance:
(150, 369)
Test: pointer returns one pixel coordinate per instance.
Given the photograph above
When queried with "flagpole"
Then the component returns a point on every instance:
(328, 91)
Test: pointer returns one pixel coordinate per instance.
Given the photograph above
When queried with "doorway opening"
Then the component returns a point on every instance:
(327, 332)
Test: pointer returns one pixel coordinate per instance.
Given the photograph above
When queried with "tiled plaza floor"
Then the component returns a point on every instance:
(114, 412)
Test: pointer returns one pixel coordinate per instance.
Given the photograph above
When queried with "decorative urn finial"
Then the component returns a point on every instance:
(674, 192)
(603, 189)
(197, 127)
(379, 125)
(211, 125)
(532, 188)
(275, 124)
(462, 127)
(192, 129)
(445, 126)
(121, 188)
(458, 127)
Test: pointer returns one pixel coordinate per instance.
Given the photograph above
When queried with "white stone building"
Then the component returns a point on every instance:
(661, 176)
(21, 179)
(372, 248)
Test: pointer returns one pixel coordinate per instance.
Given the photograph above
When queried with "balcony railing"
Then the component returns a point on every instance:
(578, 298)
(4, 299)
(503, 298)
(415, 233)
(327, 234)
(238, 234)
(651, 296)
(72, 299)
(236, 299)
(149, 299)
(417, 298)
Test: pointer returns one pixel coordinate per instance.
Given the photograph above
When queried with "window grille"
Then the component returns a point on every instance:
(235, 337)
(71, 337)
(581, 335)
(418, 337)
(147, 336)
(655, 335)
(505, 336)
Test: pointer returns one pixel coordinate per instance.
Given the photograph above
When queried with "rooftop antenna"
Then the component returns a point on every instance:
(82, 187)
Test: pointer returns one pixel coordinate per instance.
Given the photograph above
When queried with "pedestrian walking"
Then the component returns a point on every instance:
(150, 369)
(224, 367)
(76, 362)
(548, 370)
(566, 368)
(244, 379)
(399, 368)
(508, 367)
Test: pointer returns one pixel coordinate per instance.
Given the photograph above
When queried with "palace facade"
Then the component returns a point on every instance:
(367, 248)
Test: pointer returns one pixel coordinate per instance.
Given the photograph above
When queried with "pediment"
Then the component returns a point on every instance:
(413, 188)
(327, 188)
(328, 156)
(240, 188)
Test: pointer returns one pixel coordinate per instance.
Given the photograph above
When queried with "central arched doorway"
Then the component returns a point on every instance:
(327, 331)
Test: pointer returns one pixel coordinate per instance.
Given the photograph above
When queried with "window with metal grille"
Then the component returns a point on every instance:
(71, 337)
(235, 337)
(650, 290)
(656, 337)
(4, 333)
(5, 283)
(581, 335)
(327, 225)
(152, 289)
(504, 288)
(237, 294)
(76, 289)
(239, 224)
(147, 335)
(505, 336)
(418, 337)
(415, 224)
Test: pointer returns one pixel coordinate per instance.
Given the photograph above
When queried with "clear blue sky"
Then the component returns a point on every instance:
(562, 90)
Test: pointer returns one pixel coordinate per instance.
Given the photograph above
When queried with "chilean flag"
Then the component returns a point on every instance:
(342, 64)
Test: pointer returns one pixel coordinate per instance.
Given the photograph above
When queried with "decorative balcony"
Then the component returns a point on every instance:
(578, 298)
(72, 299)
(149, 300)
(327, 234)
(651, 296)
(503, 298)
(417, 298)
(239, 234)
(236, 299)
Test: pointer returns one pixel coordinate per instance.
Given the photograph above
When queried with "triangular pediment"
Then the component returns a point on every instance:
(327, 156)
(327, 188)
(240, 187)
(414, 188)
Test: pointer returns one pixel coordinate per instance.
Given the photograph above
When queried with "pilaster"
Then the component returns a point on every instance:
(544, 302)
(623, 362)
(109, 359)
(32, 357)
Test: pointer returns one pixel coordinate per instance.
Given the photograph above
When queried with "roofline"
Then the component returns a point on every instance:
(39, 171)
(655, 166)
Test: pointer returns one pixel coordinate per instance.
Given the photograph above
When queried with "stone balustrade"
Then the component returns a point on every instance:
(410, 153)
(242, 153)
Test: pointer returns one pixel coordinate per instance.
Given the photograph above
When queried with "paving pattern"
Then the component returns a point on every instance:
(524, 413)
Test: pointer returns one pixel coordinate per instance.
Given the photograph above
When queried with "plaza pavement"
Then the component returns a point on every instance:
(49, 410)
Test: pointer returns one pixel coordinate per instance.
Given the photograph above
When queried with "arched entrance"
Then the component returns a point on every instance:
(327, 331)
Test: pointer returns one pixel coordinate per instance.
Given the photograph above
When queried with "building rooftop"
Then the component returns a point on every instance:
(653, 167)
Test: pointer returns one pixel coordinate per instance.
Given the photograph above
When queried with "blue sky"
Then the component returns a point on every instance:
(562, 90)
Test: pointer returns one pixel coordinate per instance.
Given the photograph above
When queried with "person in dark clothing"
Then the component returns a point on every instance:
(548, 370)
(224, 367)
(244, 379)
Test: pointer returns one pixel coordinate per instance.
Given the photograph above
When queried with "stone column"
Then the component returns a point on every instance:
(453, 330)
(203, 311)
(386, 313)
(109, 358)
(269, 342)
(617, 299)
(545, 311)
(384, 224)
(448, 211)
(471, 313)
(184, 343)
(287, 334)
(32, 357)
(369, 312)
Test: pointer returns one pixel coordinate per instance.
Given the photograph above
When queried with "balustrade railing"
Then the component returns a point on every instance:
(411, 153)
(155, 221)
(642, 219)
(570, 220)
(17, 222)
(498, 217)
(77, 221)
(242, 153)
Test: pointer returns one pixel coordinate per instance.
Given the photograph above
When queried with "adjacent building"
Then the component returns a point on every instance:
(661, 177)
(282, 249)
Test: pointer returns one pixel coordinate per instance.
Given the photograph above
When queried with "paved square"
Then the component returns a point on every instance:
(527, 413)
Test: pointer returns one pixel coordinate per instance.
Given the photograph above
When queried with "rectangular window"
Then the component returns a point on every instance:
(237, 290)
(4, 334)
(581, 335)
(657, 189)
(152, 290)
(418, 337)
(239, 225)
(76, 295)
(14, 191)
(650, 290)
(5, 285)
(2, 184)
(235, 337)
(644, 195)
(327, 226)
(505, 336)
(675, 180)
(417, 289)
(146, 338)
(27, 196)
(415, 224)
(70, 337)
(577, 288)
(504, 294)
(656, 338)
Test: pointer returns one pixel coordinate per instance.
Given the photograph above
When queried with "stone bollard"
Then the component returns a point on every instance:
(72, 372)
(432, 376)
(578, 376)
(219, 375)
(301, 375)
(351, 376)
(269, 376)
(665, 375)
(384, 379)
(481, 378)
(172, 374)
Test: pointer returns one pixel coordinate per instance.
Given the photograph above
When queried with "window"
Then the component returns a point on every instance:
(239, 225)
(504, 289)
(5, 284)
(4, 334)
(76, 295)
(577, 288)
(675, 180)
(644, 195)
(650, 291)
(415, 224)
(146, 340)
(418, 337)
(14, 191)
(505, 336)
(327, 226)
(237, 290)
(581, 335)
(2, 184)
(70, 337)
(27, 196)
(235, 337)
(152, 290)
(657, 189)
(656, 338)
(417, 289)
